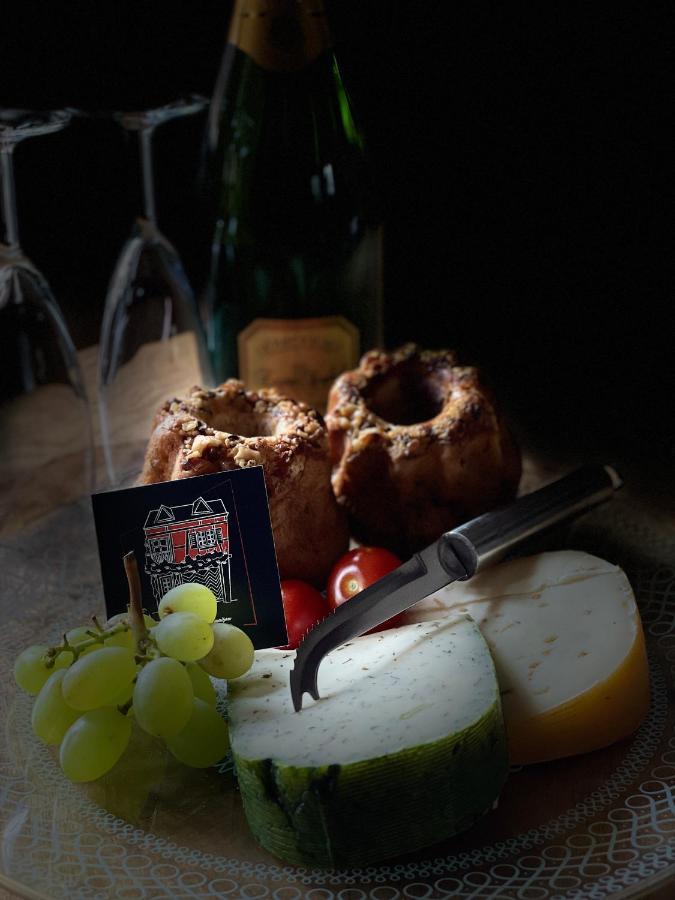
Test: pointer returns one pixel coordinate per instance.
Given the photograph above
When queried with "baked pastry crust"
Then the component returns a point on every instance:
(229, 428)
(418, 447)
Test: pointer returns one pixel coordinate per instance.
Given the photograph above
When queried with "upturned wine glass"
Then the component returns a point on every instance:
(152, 345)
(45, 426)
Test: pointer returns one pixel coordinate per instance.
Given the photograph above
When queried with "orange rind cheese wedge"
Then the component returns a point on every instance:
(567, 641)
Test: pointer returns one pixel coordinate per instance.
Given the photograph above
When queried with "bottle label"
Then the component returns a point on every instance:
(280, 35)
(299, 357)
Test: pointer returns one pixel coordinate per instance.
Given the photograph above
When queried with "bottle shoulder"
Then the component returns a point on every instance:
(287, 143)
(248, 96)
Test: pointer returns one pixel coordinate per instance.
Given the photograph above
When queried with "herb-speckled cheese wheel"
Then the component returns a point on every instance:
(405, 747)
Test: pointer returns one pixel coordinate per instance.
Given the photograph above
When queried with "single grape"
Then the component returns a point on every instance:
(126, 618)
(94, 743)
(125, 638)
(184, 636)
(122, 639)
(232, 653)
(190, 597)
(201, 683)
(80, 634)
(97, 679)
(63, 659)
(31, 670)
(205, 739)
(51, 716)
(123, 696)
(163, 697)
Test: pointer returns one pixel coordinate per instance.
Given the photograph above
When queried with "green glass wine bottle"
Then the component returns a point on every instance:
(294, 292)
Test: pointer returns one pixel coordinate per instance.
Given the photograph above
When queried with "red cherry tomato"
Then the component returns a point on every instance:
(303, 608)
(355, 571)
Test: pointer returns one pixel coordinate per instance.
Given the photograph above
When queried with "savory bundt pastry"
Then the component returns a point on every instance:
(418, 447)
(229, 427)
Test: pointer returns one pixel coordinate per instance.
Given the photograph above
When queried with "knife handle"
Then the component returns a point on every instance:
(484, 540)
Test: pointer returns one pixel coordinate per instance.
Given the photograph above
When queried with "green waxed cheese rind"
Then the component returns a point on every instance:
(406, 748)
(363, 812)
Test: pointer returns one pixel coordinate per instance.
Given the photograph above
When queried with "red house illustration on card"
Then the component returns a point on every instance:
(188, 543)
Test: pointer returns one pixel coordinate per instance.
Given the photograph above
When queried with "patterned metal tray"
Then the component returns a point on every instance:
(597, 826)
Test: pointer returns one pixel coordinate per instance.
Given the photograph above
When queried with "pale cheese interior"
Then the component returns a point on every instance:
(556, 624)
(380, 693)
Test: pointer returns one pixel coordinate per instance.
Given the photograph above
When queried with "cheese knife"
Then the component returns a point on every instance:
(456, 556)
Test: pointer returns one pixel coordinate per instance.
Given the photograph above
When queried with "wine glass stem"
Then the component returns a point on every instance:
(10, 235)
(145, 139)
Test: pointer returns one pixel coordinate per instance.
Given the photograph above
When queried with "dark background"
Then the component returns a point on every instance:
(521, 160)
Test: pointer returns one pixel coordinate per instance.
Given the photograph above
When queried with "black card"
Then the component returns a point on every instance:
(213, 529)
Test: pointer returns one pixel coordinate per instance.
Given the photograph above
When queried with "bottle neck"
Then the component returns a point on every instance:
(280, 35)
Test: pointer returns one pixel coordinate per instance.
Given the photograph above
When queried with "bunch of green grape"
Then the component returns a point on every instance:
(92, 688)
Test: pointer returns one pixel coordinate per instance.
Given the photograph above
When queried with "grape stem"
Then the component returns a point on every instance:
(136, 619)
(76, 649)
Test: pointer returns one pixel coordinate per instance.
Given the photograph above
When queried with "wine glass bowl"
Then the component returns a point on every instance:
(45, 427)
(139, 120)
(152, 345)
(17, 124)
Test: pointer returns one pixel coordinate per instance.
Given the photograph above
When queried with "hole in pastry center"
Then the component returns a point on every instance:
(406, 397)
(243, 423)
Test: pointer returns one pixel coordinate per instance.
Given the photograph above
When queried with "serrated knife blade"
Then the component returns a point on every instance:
(456, 555)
